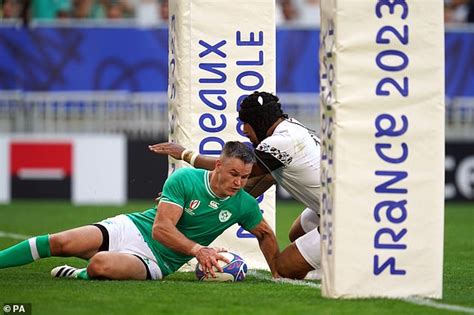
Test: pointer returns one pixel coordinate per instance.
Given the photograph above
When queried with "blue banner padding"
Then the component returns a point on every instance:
(297, 61)
(135, 60)
(78, 59)
(459, 61)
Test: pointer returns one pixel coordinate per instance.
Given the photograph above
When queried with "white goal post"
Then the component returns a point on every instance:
(219, 52)
(382, 104)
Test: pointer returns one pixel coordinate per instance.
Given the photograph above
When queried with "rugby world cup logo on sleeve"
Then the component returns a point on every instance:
(193, 205)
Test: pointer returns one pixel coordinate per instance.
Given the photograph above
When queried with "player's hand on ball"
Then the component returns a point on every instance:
(208, 258)
(221, 249)
(232, 271)
(168, 148)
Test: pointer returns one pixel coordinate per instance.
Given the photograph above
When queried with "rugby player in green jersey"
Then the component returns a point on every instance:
(287, 153)
(195, 207)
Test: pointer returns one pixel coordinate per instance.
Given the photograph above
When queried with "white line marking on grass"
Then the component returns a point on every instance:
(263, 276)
(412, 300)
(298, 282)
(259, 275)
(14, 235)
(441, 306)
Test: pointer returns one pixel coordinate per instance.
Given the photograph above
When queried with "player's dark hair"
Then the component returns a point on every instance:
(261, 110)
(238, 150)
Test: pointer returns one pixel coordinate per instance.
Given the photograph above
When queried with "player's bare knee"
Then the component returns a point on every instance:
(280, 267)
(98, 265)
(60, 245)
(283, 268)
(287, 271)
(288, 265)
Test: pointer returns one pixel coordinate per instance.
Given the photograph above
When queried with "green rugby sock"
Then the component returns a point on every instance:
(83, 275)
(25, 252)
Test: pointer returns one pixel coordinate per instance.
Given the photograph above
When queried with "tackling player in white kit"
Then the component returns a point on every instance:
(291, 154)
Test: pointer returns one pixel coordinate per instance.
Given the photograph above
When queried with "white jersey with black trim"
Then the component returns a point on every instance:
(299, 153)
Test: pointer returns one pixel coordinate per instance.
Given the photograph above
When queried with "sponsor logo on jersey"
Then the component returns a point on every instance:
(224, 215)
(213, 204)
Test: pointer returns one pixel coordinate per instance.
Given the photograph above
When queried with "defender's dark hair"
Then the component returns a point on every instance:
(238, 150)
(261, 110)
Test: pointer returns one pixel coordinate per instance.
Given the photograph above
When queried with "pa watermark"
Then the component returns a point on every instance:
(17, 308)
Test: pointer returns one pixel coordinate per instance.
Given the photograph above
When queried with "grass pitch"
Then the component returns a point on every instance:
(182, 294)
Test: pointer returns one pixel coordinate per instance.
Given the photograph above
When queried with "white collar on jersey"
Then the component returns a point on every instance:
(207, 184)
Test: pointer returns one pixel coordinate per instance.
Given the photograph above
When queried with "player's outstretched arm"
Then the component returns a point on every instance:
(259, 184)
(165, 232)
(178, 152)
(268, 244)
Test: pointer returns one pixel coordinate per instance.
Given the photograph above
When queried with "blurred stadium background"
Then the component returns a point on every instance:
(75, 67)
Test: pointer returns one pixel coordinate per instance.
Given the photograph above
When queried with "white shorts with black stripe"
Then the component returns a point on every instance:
(124, 237)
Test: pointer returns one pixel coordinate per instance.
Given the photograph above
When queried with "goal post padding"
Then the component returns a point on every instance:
(219, 52)
(382, 102)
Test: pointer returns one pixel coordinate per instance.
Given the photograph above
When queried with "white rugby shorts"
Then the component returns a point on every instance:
(124, 237)
(309, 220)
(309, 246)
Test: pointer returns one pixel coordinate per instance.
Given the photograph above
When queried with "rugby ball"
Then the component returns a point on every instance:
(233, 271)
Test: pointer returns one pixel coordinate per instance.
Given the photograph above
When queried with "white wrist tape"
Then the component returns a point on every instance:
(193, 158)
(184, 153)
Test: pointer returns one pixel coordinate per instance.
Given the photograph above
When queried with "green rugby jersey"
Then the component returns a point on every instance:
(204, 218)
